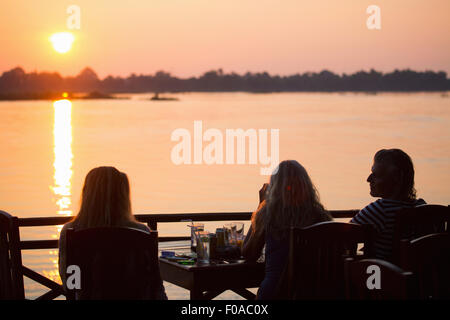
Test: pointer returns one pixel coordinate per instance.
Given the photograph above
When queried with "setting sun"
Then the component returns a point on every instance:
(62, 41)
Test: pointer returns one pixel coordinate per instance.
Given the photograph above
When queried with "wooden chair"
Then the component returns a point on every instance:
(316, 258)
(428, 257)
(395, 283)
(11, 276)
(416, 222)
(115, 263)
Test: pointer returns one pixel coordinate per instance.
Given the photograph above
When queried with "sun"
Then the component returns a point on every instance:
(62, 41)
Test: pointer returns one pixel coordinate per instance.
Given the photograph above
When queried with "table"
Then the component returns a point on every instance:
(208, 281)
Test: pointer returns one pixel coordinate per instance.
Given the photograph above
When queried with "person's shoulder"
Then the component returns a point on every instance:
(377, 205)
(377, 202)
(139, 226)
(372, 210)
(419, 202)
(390, 204)
(67, 225)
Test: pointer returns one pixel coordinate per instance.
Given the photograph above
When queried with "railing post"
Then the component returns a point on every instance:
(16, 259)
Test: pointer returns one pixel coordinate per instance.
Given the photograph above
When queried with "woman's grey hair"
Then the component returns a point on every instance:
(292, 199)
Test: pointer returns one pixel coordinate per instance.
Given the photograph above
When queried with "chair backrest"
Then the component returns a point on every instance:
(11, 276)
(316, 258)
(115, 263)
(428, 257)
(393, 283)
(416, 222)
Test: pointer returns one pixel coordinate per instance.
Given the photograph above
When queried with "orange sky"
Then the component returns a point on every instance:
(189, 37)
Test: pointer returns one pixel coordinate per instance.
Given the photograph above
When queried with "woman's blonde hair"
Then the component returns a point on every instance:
(105, 201)
(292, 200)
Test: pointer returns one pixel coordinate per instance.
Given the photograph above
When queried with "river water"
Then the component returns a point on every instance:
(49, 147)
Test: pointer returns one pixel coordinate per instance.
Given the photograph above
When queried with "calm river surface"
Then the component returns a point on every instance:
(48, 148)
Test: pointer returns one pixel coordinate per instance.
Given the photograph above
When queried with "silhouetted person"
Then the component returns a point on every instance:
(105, 202)
(391, 180)
(290, 200)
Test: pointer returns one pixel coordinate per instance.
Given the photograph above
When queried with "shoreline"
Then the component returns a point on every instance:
(95, 95)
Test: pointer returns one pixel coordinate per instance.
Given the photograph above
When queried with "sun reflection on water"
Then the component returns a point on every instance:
(62, 134)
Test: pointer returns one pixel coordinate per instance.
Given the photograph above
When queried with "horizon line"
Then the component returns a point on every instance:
(225, 73)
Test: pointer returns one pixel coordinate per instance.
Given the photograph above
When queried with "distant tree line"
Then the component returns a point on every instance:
(17, 81)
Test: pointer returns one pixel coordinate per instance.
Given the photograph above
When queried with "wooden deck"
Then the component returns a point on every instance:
(152, 220)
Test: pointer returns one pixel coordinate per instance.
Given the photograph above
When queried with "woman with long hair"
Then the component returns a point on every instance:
(105, 202)
(290, 200)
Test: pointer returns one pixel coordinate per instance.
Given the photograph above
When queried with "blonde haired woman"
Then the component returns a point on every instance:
(105, 202)
(290, 200)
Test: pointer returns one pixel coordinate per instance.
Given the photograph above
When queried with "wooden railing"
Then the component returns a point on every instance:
(151, 220)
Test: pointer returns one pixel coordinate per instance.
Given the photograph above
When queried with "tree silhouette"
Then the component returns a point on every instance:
(17, 82)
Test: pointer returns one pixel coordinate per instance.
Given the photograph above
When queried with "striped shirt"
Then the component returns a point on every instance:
(381, 214)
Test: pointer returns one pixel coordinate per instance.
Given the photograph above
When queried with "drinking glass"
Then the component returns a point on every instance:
(230, 234)
(239, 227)
(203, 246)
(240, 240)
(195, 227)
